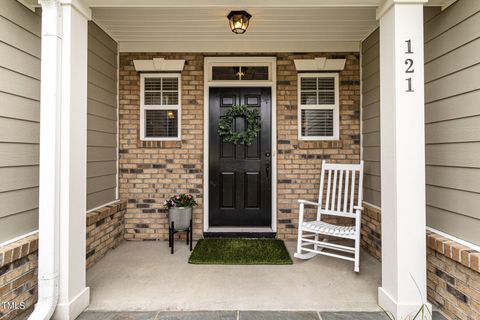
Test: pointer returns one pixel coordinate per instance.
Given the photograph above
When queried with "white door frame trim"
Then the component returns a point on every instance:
(272, 83)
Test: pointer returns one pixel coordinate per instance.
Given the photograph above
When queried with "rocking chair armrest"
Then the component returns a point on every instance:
(358, 208)
(309, 202)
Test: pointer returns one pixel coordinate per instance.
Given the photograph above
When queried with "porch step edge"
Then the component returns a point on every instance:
(238, 234)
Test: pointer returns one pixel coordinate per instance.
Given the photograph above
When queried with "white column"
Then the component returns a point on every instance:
(74, 295)
(63, 172)
(403, 289)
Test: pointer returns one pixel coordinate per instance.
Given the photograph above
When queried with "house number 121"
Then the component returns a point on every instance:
(409, 64)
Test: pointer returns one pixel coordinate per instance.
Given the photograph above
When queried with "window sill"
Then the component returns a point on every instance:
(320, 144)
(164, 144)
(319, 138)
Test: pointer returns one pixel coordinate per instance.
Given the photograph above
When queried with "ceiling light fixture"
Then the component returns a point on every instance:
(239, 21)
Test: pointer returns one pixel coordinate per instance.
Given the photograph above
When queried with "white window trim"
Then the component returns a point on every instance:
(336, 108)
(238, 62)
(144, 107)
(214, 61)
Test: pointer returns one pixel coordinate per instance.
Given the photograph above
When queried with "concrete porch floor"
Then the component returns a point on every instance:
(144, 276)
(238, 315)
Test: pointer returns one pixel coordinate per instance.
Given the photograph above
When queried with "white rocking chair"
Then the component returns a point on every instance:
(343, 198)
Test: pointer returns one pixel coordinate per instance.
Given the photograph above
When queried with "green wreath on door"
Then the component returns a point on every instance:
(254, 126)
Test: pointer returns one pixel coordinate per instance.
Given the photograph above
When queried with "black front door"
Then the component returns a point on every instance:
(240, 176)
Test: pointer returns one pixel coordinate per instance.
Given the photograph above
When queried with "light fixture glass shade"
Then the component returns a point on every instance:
(239, 21)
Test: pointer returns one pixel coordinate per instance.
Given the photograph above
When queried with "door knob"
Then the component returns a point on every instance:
(267, 154)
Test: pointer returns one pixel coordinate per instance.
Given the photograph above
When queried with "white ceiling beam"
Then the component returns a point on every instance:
(197, 41)
(247, 3)
(387, 4)
(239, 47)
(234, 3)
(81, 5)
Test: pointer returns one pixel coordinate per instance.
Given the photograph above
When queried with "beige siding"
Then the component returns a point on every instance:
(452, 119)
(452, 129)
(102, 118)
(371, 117)
(19, 119)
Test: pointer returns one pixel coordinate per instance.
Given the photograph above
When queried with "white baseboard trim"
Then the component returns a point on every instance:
(372, 205)
(17, 238)
(450, 237)
(71, 310)
(104, 205)
(388, 303)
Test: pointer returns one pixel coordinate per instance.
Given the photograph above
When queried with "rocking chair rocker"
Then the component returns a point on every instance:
(343, 198)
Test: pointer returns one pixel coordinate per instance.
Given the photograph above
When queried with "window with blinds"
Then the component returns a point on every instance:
(161, 91)
(317, 123)
(318, 106)
(161, 123)
(160, 107)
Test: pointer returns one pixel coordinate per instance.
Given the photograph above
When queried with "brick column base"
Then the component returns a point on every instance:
(105, 230)
(18, 278)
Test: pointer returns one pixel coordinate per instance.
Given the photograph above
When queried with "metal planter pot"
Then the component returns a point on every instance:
(180, 216)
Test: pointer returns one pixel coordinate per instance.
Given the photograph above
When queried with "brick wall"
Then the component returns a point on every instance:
(371, 238)
(151, 172)
(299, 162)
(105, 230)
(453, 275)
(19, 260)
(18, 278)
(453, 271)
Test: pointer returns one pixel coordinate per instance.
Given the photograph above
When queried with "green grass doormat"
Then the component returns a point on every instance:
(240, 251)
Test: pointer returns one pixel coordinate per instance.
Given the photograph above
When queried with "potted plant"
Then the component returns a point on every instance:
(180, 210)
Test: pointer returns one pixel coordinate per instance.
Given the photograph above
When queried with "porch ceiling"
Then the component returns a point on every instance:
(201, 25)
(272, 29)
